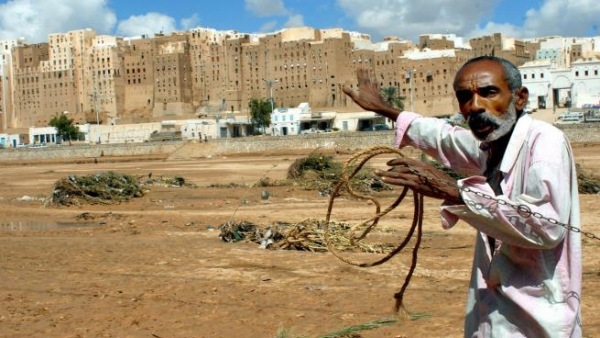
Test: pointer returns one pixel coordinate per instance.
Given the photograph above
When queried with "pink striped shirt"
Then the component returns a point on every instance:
(530, 286)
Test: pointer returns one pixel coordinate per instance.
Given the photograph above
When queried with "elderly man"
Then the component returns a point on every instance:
(522, 198)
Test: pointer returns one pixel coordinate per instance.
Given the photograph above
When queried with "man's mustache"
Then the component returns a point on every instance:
(480, 120)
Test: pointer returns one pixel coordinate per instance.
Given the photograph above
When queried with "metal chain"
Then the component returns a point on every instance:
(523, 210)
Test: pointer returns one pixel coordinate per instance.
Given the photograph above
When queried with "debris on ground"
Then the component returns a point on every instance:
(587, 183)
(320, 172)
(307, 235)
(170, 182)
(102, 188)
(106, 188)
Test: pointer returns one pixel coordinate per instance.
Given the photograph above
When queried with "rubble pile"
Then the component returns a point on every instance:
(307, 235)
(107, 188)
(102, 188)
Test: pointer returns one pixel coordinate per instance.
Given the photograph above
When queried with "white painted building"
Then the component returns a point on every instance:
(10, 140)
(536, 76)
(359, 121)
(302, 120)
(286, 121)
(586, 82)
(194, 129)
(555, 87)
(42, 135)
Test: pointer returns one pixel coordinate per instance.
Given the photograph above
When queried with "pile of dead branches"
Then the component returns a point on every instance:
(587, 183)
(102, 188)
(307, 235)
(107, 188)
(320, 172)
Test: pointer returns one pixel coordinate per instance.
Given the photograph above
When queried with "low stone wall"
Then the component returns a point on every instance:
(583, 132)
(185, 150)
(88, 151)
(344, 142)
(330, 141)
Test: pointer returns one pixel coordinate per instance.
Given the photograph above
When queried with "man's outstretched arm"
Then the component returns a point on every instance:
(369, 97)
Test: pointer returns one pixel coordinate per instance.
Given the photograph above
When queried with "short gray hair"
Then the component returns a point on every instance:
(512, 75)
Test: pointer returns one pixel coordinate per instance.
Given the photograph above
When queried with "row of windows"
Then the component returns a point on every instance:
(50, 75)
(47, 92)
(133, 71)
(61, 61)
(135, 81)
(577, 74)
(283, 118)
(98, 59)
(532, 76)
(586, 72)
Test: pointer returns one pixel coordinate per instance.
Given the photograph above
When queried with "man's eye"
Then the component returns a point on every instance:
(488, 92)
(463, 97)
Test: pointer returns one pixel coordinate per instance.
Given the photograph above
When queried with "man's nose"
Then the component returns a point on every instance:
(477, 104)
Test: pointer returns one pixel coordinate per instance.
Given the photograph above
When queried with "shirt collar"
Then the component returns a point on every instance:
(517, 140)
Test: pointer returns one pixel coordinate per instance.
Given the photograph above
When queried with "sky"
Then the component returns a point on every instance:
(407, 19)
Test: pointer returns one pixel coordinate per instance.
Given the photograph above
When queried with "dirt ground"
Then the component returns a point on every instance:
(155, 266)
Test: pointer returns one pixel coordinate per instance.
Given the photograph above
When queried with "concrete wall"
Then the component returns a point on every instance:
(583, 132)
(344, 142)
(87, 151)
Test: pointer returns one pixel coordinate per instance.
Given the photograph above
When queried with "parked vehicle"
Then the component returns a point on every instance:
(310, 131)
(377, 127)
(570, 118)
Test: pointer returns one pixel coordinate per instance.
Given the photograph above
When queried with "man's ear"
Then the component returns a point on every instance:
(521, 98)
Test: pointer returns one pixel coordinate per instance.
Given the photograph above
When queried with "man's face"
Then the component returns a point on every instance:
(485, 100)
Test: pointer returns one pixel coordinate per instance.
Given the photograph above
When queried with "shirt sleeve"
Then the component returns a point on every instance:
(529, 216)
(454, 147)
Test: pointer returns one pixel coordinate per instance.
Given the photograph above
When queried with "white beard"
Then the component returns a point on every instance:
(504, 123)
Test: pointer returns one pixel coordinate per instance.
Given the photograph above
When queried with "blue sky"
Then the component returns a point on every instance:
(35, 19)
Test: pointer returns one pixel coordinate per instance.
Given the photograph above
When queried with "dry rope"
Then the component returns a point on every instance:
(350, 169)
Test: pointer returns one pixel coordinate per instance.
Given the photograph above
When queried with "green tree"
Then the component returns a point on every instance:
(260, 113)
(64, 127)
(391, 96)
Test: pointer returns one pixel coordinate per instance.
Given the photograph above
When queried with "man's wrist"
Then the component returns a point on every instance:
(454, 200)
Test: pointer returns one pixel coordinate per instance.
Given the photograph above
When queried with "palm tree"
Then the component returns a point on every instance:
(390, 95)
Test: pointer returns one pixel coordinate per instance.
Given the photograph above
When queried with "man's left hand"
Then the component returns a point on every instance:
(422, 178)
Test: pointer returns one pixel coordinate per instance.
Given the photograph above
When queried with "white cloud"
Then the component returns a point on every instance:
(491, 27)
(147, 24)
(189, 23)
(268, 26)
(266, 7)
(554, 17)
(295, 21)
(563, 17)
(36, 19)
(408, 19)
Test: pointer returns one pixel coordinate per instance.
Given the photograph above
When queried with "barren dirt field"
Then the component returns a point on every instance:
(155, 266)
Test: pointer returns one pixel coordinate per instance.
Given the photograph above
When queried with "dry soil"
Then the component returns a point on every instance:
(155, 266)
